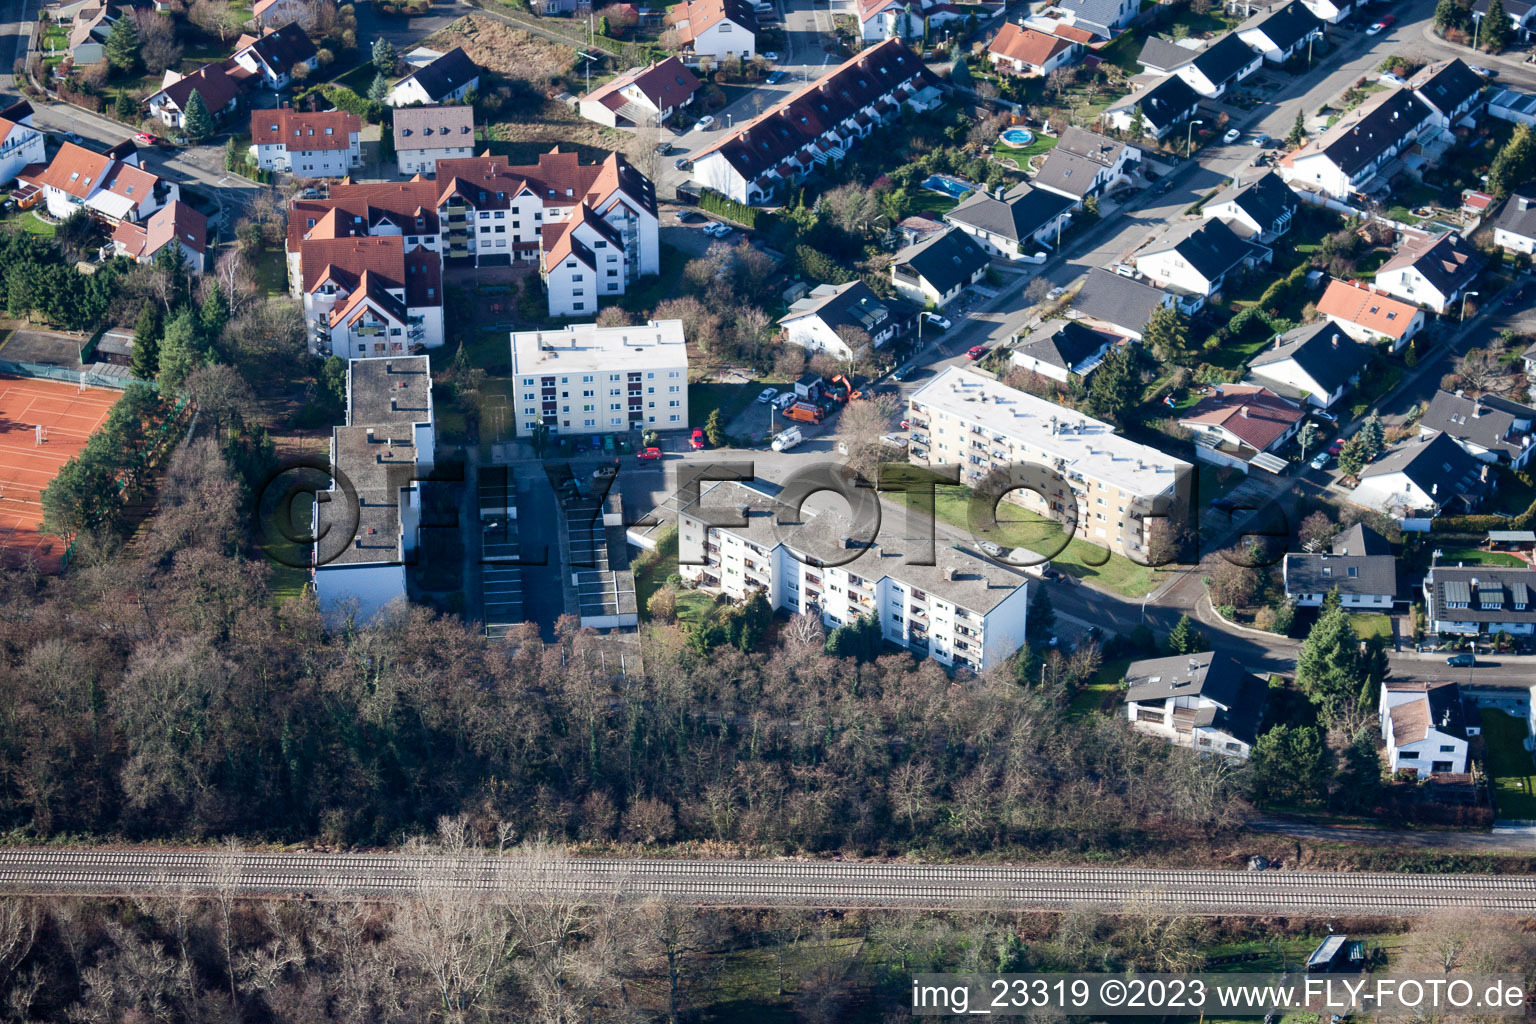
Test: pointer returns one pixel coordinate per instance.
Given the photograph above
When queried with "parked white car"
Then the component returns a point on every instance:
(1232, 136)
(704, 123)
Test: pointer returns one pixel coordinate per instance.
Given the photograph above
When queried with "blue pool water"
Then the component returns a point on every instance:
(952, 187)
(1019, 137)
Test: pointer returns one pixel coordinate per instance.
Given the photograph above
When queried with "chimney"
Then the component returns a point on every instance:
(1477, 410)
(998, 192)
(1244, 412)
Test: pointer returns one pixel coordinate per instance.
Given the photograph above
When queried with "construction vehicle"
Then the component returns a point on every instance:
(842, 388)
(804, 412)
(787, 439)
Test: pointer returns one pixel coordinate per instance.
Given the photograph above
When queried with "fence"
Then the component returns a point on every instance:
(92, 378)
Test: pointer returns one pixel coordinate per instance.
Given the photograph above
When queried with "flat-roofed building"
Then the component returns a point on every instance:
(586, 379)
(1083, 469)
(367, 526)
(963, 610)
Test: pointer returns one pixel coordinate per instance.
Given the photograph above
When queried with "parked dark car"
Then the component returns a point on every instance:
(1461, 661)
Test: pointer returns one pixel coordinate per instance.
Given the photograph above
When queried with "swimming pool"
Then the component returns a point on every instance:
(945, 185)
(1018, 138)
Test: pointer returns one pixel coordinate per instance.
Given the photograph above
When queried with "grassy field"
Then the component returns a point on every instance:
(1369, 624)
(1019, 157)
(1511, 771)
(271, 272)
(1019, 527)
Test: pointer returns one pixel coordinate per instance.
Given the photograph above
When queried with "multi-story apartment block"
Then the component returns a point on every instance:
(369, 297)
(817, 124)
(587, 379)
(1081, 469)
(318, 145)
(20, 144)
(592, 228)
(964, 611)
(368, 528)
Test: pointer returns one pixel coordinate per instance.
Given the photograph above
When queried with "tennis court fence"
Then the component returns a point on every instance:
(92, 378)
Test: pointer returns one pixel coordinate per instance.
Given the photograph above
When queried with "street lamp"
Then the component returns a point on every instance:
(1189, 137)
(1464, 299)
(1477, 23)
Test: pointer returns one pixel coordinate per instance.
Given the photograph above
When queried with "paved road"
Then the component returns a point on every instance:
(91, 872)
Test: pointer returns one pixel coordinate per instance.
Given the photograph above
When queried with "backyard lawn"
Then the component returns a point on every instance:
(1474, 556)
(1511, 771)
(1093, 695)
(1369, 624)
(1019, 527)
(1019, 157)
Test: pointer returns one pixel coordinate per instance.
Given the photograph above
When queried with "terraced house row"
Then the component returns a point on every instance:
(817, 124)
(591, 228)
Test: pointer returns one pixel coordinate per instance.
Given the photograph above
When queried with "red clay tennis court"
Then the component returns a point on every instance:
(67, 416)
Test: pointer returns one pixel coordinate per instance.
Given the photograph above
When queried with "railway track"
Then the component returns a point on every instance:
(839, 884)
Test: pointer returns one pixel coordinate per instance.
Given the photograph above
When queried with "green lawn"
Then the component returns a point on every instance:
(1474, 556)
(1019, 157)
(652, 290)
(932, 201)
(652, 569)
(1511, 770)
(271, 272)
(1093, 695)
(1369, 624)
(730, 399)
(1019, 527)
(30, 223)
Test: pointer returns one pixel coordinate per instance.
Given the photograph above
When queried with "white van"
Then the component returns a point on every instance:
(787, 439)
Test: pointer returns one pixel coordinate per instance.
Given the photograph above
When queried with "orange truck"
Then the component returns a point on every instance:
(805, 412)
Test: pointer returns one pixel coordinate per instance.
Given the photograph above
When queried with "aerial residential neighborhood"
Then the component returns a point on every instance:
(564, 511)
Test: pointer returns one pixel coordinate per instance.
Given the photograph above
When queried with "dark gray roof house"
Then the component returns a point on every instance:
(1210, 247)
(1016, 215)
(1081, 163)
(1261, 209)
(1517, 218)
(1164, 104)
(1224, 61)
(1285, 26)
(1118, 301)
(1490, 428)
(1161, 56)
(1432, 474)
(1360, 566)
(1353, 148)
(1325, 355)
(446, 74)
(1480, 598)
(1228, 696)
(948, 261)
(1103, 17)
(1450, 89)
(1065, 344)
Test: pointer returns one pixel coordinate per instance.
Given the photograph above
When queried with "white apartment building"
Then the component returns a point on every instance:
(586, 379)
(964, 611)
(318, 145)
(369, 297)
(1084, 469)
(425, 135)
(20, 145)
(368, 525)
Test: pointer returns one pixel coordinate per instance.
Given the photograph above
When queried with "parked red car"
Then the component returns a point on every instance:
(144, 138)
(977, 351)
(696, 442)
(1337, 446)
(648, 453)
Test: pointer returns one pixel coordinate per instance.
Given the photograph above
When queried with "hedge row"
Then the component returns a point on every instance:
(724, 206)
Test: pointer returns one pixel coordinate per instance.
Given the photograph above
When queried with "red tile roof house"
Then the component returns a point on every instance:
(175, 223)
(1241, 424)
(321, 145)
(110, 189)
(1024, 51)
(643, 96)
(1368, 315)
(219, 89)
